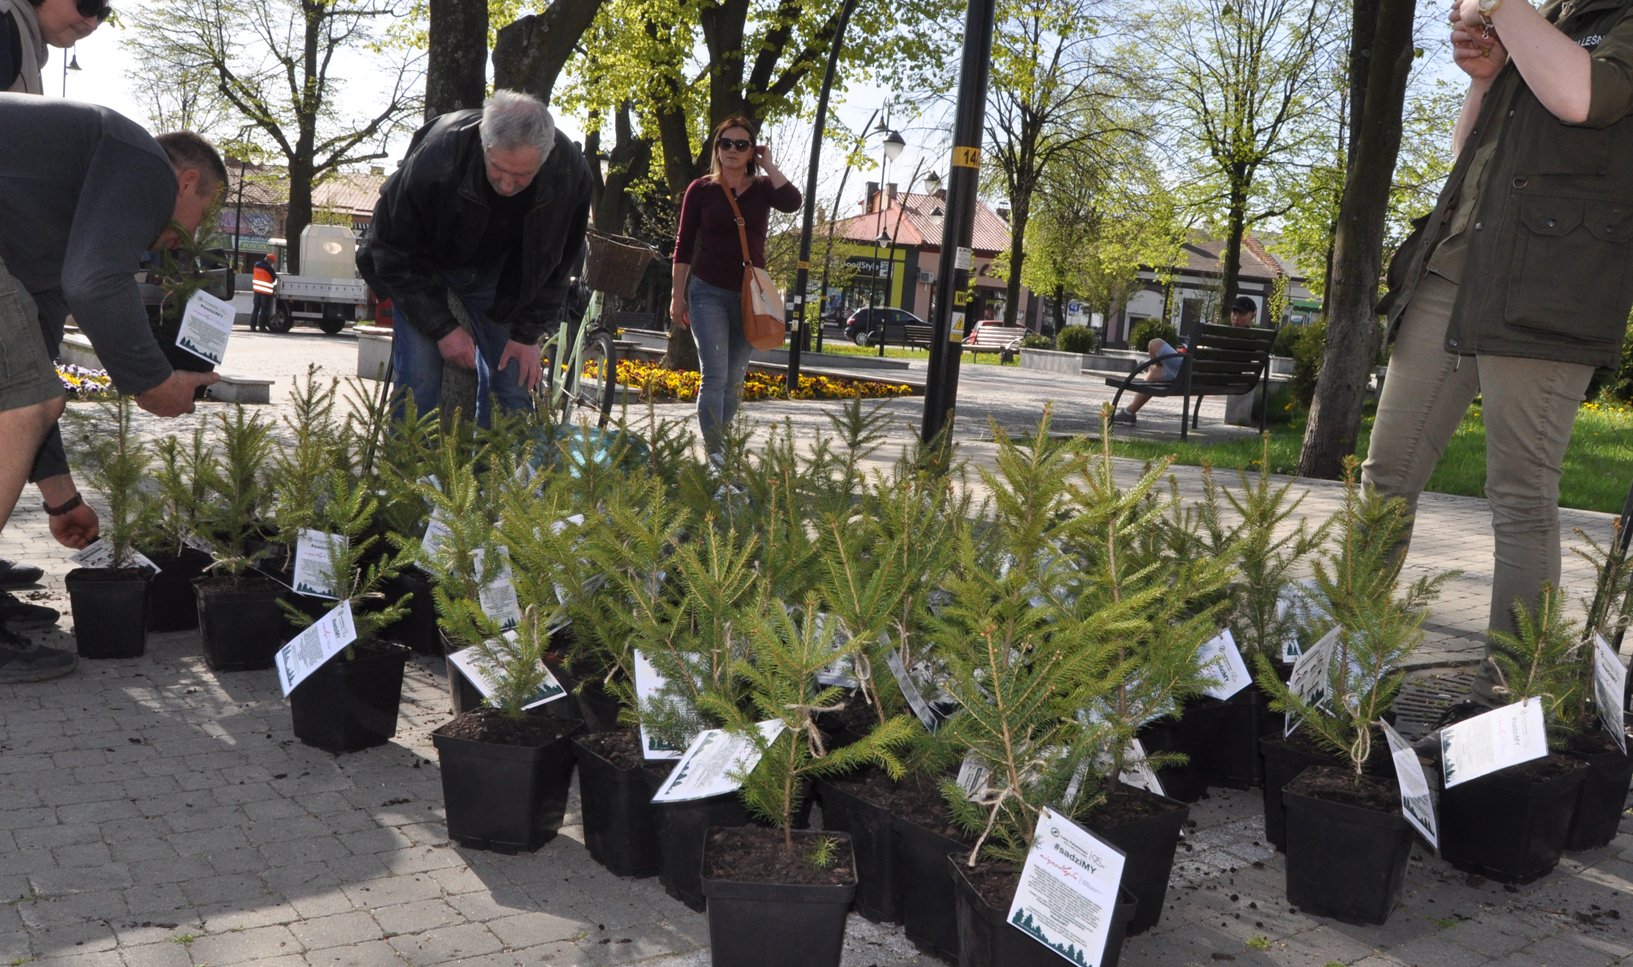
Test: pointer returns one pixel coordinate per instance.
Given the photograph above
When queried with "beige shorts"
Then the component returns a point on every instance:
(27, 375)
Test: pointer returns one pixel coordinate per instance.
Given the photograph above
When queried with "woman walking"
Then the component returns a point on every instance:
(724, 213)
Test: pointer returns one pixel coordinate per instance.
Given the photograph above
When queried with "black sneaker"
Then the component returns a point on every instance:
(23, 661)
(1123, 418)
(14, 574)
(23, 614)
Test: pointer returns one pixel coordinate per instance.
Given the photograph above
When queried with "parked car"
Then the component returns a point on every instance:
(865, 327)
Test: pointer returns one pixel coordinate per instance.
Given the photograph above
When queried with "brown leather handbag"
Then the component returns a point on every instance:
(763, 324)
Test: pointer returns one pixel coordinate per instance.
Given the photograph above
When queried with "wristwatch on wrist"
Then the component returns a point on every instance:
(1489, 7)
(64, 508)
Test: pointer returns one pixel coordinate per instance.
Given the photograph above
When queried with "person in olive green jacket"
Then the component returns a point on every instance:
(1518, 285)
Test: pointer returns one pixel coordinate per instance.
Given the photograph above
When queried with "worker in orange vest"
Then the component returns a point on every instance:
(266, 276)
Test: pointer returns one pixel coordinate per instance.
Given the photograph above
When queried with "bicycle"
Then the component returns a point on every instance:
(586, 377)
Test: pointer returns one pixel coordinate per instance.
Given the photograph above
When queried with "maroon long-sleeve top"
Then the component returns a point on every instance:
(707, 238)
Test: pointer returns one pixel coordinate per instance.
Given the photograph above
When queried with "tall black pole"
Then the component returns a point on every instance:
(953, 272)
(802, 278)
(238, 219)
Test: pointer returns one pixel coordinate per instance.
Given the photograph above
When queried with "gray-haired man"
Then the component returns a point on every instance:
(490, 206)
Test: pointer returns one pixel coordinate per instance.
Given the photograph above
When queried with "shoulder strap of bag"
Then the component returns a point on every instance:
(742, 230)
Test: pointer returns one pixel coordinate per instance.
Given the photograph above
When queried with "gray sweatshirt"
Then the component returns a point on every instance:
(83, 192)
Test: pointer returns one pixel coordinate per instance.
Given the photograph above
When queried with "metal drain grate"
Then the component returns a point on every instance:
(1420, 702)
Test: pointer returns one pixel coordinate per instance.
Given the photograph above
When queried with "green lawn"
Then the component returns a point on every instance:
(1598, 463)
(842, 347)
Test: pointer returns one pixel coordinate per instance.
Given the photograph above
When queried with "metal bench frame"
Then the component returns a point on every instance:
(1222, 361)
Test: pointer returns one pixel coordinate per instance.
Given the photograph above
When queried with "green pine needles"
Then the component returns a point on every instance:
(118, 465)
(237, 497)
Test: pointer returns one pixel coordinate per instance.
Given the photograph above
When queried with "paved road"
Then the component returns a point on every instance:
(153, 813)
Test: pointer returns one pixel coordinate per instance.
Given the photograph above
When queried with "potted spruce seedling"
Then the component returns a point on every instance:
(350, 702)
(238, 614)
(110, 601)
(507, 765)
(1346, 839)
(1510, 825)
(778, 897)
(172, 542)
(395, 455)
(299, 482)
(1599, 805)
(1158, 605)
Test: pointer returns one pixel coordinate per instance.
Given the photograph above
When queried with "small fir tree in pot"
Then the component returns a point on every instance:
(238, 607)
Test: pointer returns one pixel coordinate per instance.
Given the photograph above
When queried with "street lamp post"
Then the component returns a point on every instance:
(828, 255)
(238, 216)
(892, 149)
(953, 272)
(890, 257)
(71, 64)
(802, 278)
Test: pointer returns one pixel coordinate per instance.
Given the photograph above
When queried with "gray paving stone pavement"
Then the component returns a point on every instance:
(153, 812)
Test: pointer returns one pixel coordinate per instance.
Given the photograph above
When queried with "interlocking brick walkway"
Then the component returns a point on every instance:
(155, 813)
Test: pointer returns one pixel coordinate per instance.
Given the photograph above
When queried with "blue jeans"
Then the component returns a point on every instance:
(722, 354)
(418, 363)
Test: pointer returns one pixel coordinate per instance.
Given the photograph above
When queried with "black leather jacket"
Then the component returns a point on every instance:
(430, 216)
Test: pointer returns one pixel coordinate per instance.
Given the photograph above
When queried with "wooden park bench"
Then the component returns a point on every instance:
(918, 335)
(996, 339)
(1222, 361)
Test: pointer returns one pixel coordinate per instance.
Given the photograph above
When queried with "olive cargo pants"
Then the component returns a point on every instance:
(1528, 406)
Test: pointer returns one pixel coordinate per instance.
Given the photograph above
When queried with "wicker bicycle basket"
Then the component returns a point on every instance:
(615, 264)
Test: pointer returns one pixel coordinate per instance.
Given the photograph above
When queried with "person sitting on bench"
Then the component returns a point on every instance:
(1242, 313)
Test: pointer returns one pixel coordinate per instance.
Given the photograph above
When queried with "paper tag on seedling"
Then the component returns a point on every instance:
(312, 572)
(99, 553)
(198, 543)
(1068, 890)
(321, 641)
(205, 327)
(498, 597)
(1309, 678)
(930, 717)
(1222, 661)
(1138, 772)
(481, 673)
(1417, 805)
(838, 673)
(561, 525)
(712, 762)
(972, 777)
(1498, 739)
(1609, 685)
(648, 683)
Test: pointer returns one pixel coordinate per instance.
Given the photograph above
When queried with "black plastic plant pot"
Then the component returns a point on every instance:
(418, 628)
(171, 604)
(873, 840)
(1233, 759)
(986, 938)
(1344, 862)
(1188, 782)
(928, 908)
(776, 924)
(620, 822)
(110, 610)
(346, 706)
(239, 620)
(591, 703)
(1282, 764)
(504, 798)
(1508, 828)
(682, 827)
(1600, 801)
(1148, 846)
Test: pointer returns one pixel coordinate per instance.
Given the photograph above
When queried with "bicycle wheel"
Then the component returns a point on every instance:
(597, 382)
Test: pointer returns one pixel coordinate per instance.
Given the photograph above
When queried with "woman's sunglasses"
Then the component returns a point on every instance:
(736, 144)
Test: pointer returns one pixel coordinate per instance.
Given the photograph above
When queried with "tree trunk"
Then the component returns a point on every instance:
(528, 55)
(300, 212)
(1060, 309)
(1230, 260)
(681, 356)
(1352, 322)
(629, 161)
(1017, 256)
(456, 75)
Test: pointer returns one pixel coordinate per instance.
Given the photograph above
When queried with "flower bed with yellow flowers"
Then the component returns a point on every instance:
(661, 383)
(85, 385)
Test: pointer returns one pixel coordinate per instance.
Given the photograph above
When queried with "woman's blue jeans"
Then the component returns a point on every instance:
(722, 354)
(417, 362)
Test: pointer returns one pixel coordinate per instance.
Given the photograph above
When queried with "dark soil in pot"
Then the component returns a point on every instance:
(171, 604)
(681, 830)
(504, 783)
(349, 705)
(620, 822)
(1285, 758)
(853, 804)
(1603, 794)
(1188, 782)
(239, 620)
(772, 907)
(924, 835)
(1146, 828)
(110, 610)
(1347, 845)
(1510, 825)
(985, 936)
(418, 628)
(849, 724)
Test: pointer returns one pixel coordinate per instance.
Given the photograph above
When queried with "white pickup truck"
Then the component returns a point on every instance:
(329, 298)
